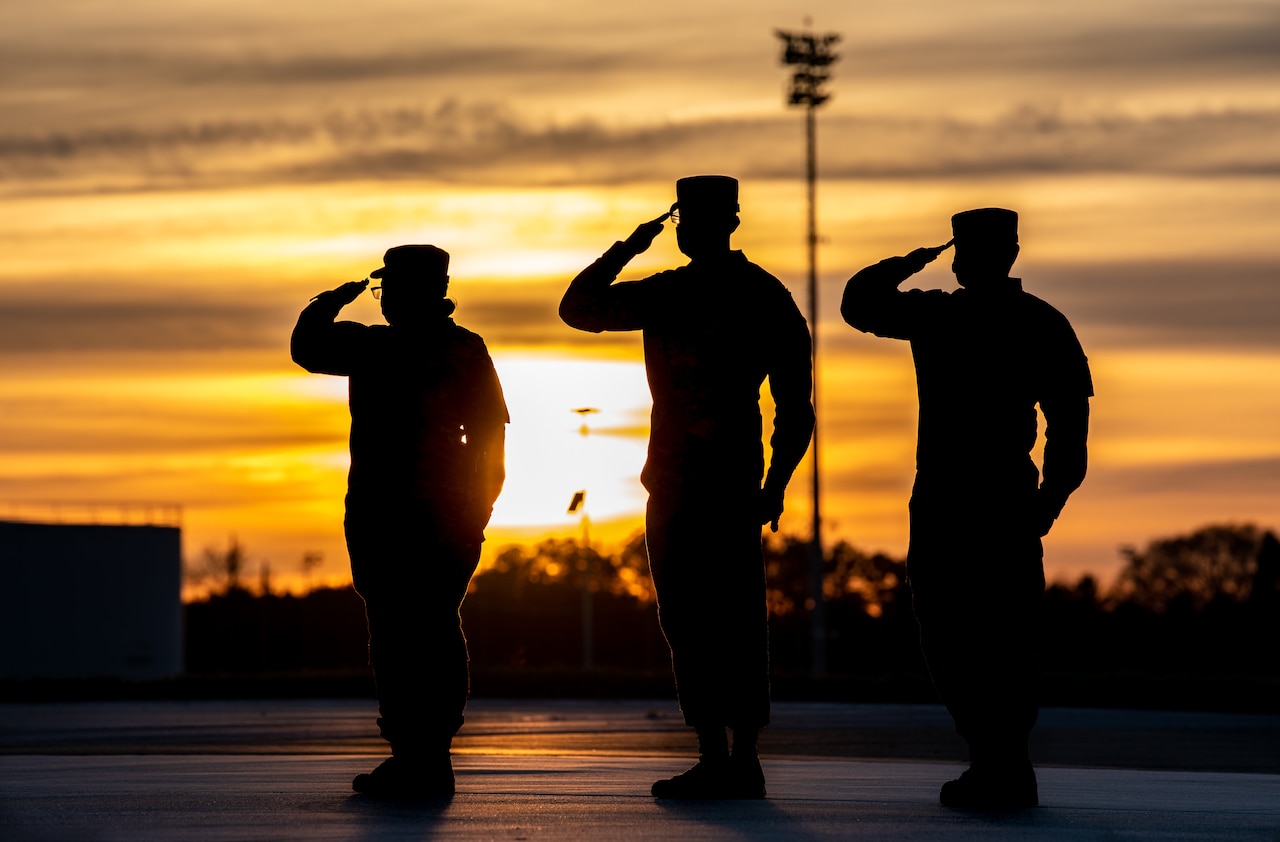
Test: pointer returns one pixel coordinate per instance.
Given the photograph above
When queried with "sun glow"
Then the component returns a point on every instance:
(553, 452)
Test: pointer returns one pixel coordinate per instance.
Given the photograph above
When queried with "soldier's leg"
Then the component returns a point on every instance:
(1007, 681)
(419, 653)
(704, 569)
(672, 541)
(976, 601)
(745, 644)
(708, 574)
(412, 590)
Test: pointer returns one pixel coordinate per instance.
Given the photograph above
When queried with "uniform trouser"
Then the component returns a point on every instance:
(977, 583)
(413, 582)
(708, 573)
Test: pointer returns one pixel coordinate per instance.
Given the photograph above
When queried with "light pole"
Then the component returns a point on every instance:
(579, 504)
(812, 56)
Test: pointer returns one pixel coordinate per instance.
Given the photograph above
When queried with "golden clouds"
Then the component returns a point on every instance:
(180, 180)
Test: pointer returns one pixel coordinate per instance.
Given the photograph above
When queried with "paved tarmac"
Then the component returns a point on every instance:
(581, 770)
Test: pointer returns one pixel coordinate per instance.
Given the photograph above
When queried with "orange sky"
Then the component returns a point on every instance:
(179, 179)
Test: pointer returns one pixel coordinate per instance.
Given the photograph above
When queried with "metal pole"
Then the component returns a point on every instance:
(813, 55)
(588, 607)
(818, 647)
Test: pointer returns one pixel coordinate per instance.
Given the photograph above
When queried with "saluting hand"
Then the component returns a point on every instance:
(643, 236)
(346, 293)
(922, 257)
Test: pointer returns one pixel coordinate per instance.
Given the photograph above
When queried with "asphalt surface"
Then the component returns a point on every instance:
(581, 770)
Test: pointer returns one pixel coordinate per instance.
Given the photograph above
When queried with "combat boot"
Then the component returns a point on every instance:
(709, 778)
(748, 776)
(715, 778)
(984, 788)
(408, 778)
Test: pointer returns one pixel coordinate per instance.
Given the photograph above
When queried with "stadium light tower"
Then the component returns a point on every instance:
(812, 56)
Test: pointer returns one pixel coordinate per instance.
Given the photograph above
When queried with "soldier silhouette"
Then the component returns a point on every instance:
(985, 356)
(714, 330)
(427, 431)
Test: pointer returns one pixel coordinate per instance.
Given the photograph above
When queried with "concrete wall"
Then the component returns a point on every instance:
(90, 601)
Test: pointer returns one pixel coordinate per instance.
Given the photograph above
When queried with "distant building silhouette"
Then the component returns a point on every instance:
(90, 601)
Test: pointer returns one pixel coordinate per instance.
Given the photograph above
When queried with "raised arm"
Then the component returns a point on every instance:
(872, 302)
(593, 302)
(321, 345)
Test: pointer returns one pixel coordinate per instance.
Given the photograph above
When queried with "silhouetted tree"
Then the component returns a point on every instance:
(221, 567)
(526, 608)
(877, 582)
(1216, 562)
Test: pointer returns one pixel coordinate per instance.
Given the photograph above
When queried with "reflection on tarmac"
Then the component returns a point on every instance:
(1065, 737)
(253, 770)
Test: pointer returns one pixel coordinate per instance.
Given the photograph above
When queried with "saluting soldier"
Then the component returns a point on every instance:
(714, 331)
(427, 430)
(985, 355)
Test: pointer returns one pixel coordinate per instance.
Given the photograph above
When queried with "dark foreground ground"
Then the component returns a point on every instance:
(581, 770)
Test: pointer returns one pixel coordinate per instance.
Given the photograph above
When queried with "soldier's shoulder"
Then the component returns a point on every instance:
(465, 338)
(763, 280)
(1047, 322)
(1041, 309)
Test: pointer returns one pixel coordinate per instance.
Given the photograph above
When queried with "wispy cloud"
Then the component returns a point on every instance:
(1131, 304)
(205, 66)
(1236, 476)
(1144, 49)
(489, 143)
(1226, 304)
(69, 323)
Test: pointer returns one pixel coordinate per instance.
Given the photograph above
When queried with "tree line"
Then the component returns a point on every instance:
(1205, 604)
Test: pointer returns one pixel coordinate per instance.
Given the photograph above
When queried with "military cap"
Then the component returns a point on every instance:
(706, 196)
(985, 225)
(427, 264)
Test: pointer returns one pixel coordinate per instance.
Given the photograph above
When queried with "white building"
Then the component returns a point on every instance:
(90, 600)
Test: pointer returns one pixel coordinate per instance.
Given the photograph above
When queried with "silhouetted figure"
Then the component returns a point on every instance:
(714, 330)
(427, 430)
(985, 355)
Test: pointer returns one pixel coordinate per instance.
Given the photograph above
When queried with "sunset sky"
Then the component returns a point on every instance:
(179, 178)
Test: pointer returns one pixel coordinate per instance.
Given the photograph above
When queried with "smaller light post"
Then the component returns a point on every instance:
(579, 505)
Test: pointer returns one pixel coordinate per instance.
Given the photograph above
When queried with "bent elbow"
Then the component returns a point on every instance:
(849, 311)
(855, 306)
(298, 353)
(851, 305)
(576, 317)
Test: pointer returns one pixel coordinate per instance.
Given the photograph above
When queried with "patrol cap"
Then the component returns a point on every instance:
(988, 225)
(416, 262)
(706, 196)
